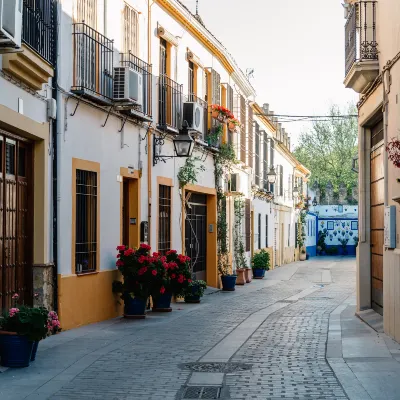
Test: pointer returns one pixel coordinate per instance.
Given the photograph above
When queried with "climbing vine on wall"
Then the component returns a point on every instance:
(239, 250)
(301, 232)
(188, 173)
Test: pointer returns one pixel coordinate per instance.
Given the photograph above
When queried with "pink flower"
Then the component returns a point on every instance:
(154, 272)
(142, 270)
(162, 290)
(181, 279)
(141, 259)
(119, 263)
(189, 280)
(173, 265)
(16, 296)
(145, 246)
(121, 248)
(128, 252)
(13, 311)
(53, 315)
(36, 295)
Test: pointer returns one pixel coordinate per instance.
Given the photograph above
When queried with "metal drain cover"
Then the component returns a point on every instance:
(217, 367)
(202, 392)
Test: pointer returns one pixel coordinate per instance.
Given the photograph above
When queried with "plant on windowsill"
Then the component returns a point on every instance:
(188, 173)
(221, 113)
(214, 136)
(233, 124)
(260, 263)
(21, 329)
(195, 291)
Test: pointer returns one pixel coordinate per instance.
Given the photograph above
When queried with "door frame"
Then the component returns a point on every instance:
(212, 277)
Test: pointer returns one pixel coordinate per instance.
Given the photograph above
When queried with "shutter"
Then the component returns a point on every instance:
(272, 155)
(266, 231)
(257, 151)
(250, 136)
(243, 129)
(248, 224)
(290, 190)
(215, 87)
(281, 181)
(265, 162)
(229, 97)
(296, 232)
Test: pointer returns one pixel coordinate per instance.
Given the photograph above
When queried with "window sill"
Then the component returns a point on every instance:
(87, 273)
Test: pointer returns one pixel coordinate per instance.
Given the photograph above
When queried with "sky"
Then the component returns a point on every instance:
(296, 48)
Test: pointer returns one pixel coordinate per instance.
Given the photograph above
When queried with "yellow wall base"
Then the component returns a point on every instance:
(87, 299)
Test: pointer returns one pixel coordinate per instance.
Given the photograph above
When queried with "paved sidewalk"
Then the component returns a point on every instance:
(291, 336)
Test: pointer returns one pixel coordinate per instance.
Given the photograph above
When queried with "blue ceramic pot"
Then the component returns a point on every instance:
(192, 299)
(162, 302)
(34, 350)
(134, 307)
(307, 256)
(228, 283)
(258, 273)
(15, 351)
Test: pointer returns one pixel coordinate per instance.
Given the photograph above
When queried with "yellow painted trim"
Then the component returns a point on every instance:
(93, 167)
(212, 277)
(134, 206)
(165, 182)
(196, 32)
(87, 299)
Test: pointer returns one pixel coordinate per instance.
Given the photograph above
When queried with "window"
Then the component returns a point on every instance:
(163, 57)
(131, 30)
(192, 81)
(86, 11)
(279, 180)
(259, 231)
(257, 153)
(266, 231)
(86, 221)
(248, 223)
(164, 219)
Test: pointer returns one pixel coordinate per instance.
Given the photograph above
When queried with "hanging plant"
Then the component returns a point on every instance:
(187, 174)
(393, 150)
(221, 113)
(214, 136)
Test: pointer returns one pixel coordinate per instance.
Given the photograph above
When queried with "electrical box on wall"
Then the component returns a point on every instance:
(390, 227)
(144, 232)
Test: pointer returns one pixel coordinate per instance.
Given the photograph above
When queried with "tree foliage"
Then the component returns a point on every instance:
(328, 148)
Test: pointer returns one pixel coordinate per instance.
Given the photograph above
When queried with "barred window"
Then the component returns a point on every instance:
(164, 219)
(131, 30)
(259, 231)
(86, 221)
(266, 231)
(86, 11)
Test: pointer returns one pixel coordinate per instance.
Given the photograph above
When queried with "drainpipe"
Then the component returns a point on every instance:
(385, 109)
(55, 125)
(149, 134)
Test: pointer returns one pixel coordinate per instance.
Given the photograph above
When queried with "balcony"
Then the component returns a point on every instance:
(361, 48)
(93, 64)
(170, 102)
(34, 65)
(143, 112)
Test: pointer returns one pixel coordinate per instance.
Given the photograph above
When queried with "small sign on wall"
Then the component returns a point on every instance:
(390, 227)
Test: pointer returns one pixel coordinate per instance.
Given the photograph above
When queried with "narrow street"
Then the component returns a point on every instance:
(267, 340)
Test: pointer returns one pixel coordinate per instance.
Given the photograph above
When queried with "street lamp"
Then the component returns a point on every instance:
(183, 145)
(271, 175)
(295, 191)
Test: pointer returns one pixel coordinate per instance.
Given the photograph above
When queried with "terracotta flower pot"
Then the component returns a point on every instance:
(248, 275)
(303, 256)
(241, 279)
(215, 114)
(231, 126)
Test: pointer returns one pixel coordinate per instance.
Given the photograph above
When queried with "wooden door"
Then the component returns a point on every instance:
(16, 217)
(377, 216)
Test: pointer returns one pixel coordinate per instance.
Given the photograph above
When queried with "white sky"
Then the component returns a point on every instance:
(296, 48)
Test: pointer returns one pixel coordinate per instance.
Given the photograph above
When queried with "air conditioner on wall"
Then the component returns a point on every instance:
(193, 113)
(10, 23)
(128, 85)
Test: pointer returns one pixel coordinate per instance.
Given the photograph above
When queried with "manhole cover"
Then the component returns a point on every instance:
(217, 367)
(202, 392)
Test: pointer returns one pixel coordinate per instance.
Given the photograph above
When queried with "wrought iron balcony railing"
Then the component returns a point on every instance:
(138, 65)
(93, 63)
(38, 27)
(360, 34)
(170, 102)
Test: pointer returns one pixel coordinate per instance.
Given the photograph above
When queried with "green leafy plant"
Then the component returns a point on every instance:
(343, 244)
(239, 249)
(196, 288)
(321, 245)
(214, 135)
(261, 260)
(355, 238)
(301, 233)
(187, 174)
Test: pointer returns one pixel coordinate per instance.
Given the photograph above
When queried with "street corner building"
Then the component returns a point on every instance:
(372, 69)
(113, 125)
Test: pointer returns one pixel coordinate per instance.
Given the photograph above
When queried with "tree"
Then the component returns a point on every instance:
(328, 148)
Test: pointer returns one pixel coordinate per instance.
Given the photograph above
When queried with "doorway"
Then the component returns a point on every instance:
(130, 212)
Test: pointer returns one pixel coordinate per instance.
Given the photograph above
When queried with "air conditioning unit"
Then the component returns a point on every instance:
(235, 183)
(10, 23)
(128, 85)
(193, 113)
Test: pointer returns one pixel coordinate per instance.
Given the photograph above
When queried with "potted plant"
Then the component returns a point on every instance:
(343, 245)
(172, 279)
(20, 328)
(139, 273)
(303, 254)
(260, 264)
(247, 274)
(194, 291)
(228, 280)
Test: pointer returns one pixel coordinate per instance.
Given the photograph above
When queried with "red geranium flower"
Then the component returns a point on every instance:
(121, 247)
(128, 252)
(119, 263)
(154, 272)
(173, 276)
(189, 280)
(145, 246)
(162, 290)
(141, 259)
(142, 270)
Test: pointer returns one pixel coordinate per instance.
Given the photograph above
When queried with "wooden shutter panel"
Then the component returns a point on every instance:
(215, 87)
(229, 97)
(243, 148)
(250, 130)
(265, 165)
(257, 153)
(248, 224)
(281, 181)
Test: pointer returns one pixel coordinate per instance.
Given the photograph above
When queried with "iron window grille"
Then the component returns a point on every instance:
(266, 230)
(360, 34)
(86, 11)
(170, 98)
(86, 222)
(140, 66)
(164, 219)
(38, 27)
(131, 29)
(93, 63)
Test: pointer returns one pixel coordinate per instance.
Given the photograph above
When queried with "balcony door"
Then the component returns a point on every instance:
(377, 216)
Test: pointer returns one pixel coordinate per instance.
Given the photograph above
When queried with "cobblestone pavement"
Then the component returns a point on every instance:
(277, 328)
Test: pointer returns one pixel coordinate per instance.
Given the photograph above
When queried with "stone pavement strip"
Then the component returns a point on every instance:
(293, 335)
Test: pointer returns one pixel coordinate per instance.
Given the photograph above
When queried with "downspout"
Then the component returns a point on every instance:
(385, 109)
(149, 135)
(55, 124)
